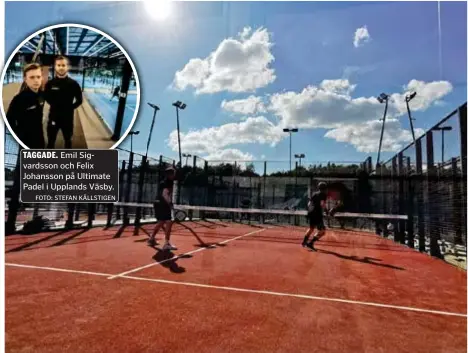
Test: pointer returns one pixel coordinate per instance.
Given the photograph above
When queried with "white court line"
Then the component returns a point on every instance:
(181, 255)
(253, 291)
(302, 296)
(58, 269)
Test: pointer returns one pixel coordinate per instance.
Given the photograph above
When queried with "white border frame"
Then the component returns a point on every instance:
(7, 64)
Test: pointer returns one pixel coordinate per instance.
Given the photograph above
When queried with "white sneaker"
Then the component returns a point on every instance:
(169, 246)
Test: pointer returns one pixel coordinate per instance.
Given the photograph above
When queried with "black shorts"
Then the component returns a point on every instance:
(316, 221)
(162, 212)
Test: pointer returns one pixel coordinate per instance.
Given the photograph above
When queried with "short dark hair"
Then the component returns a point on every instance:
(30, 67)
(322, 186)
(61, 57)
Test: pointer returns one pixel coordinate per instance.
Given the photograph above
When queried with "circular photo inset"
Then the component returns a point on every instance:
(69, 86)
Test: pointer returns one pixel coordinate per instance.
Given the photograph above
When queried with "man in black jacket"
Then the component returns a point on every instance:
(63, 95)
(26, 109)
(164, 209)
(315, 209)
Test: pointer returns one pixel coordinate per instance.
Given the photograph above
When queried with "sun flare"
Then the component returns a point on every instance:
(158, 9)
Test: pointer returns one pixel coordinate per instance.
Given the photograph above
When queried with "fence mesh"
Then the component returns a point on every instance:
(427, 185)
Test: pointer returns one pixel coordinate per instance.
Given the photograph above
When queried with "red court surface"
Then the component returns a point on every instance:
(228, 288)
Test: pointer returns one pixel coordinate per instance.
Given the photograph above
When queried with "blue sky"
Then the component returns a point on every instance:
(297, 61)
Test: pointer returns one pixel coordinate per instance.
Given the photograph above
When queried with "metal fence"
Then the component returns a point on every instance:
(426, 185)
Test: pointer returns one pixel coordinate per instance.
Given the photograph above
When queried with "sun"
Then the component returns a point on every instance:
(158, 9)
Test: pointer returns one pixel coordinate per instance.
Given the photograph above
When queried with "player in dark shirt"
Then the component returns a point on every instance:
(63, 95)
(26, 109)
(163, 208)
(316, 207)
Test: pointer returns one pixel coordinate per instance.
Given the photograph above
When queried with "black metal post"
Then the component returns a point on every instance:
(126, 75)
(382, 132)
(410, 120)
(178, 136)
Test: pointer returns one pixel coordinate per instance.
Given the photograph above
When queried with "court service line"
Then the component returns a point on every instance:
(181, 255)
(253, 291)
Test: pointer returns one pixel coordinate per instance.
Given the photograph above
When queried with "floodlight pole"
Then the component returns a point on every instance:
(290, 131)
(131, 133)
(178, 136)
(408, 98)
(300, 156)
(186, 155)
(179, 105)
(382, 98)
(156, 108)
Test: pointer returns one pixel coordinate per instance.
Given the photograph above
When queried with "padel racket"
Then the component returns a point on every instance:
(179, 215)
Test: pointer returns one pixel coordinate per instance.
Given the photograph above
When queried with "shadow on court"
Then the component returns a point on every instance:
(25, 246)
(365, 260)
(42, 240)
(201, 242)
(71, 237)
(168, 260)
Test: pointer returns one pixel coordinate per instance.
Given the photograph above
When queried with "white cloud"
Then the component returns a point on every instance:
(330, 105)
(229, 154)
(338, 86)
(252, 130)
(248, 106)
(361, 36)
(326, 106)
(237, 65)
(365, 137)
(426, 94)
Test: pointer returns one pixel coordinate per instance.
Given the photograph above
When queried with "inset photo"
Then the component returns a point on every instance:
(69, 86)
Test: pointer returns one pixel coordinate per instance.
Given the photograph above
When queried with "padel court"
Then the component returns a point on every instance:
(230, 287)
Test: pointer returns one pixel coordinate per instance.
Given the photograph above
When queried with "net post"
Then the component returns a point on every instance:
(141, 179)
(233, 190)
(194, 173)
(456, 204)
(91, 214)
(401, 198)
(264, 188)
(36, 210)
(70, 211)
(110, 210)
(410, 205)
(463, 183)
(296, 218)
(77, 212)
(205, 170)
(121, 186)
(394, 203)
(126, 219)
(420, 198)
(463, 137)
(431, 195)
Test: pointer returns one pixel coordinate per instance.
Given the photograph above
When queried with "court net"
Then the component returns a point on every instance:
(141, 212)
(57, 216)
